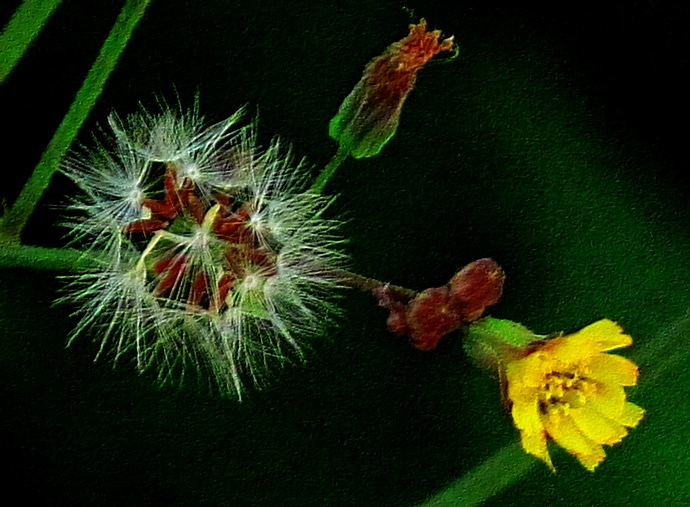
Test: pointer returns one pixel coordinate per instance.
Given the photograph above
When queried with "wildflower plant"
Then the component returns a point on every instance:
(211, 254)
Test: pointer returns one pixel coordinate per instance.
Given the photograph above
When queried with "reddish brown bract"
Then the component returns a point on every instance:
(437, 311)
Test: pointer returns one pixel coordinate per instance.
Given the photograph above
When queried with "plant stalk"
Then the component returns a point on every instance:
(15, 219)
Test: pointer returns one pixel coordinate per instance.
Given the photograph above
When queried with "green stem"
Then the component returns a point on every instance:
(328, 171)
(21, 30)
(51, 259)
(17, 216)
(68, 259)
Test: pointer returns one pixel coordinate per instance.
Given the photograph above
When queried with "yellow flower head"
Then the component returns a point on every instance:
(570, 389)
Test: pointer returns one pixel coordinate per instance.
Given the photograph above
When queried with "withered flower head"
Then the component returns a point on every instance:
(369, 115)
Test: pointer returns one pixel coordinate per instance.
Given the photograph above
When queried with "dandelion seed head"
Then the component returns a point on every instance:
(215, 260)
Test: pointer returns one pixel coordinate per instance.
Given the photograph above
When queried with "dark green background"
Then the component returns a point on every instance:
(555, 143)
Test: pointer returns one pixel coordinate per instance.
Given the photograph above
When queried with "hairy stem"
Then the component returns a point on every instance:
(68, 259)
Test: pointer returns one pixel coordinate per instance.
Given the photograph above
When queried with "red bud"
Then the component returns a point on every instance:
(476, 286)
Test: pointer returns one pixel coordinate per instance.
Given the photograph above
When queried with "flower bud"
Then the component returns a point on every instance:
(476, 286)
(435, 312)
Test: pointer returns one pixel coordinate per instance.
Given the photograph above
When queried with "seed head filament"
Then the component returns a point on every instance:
(199, 250)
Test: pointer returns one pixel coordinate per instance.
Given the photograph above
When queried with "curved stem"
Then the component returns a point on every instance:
(366, 284)
(328, 171)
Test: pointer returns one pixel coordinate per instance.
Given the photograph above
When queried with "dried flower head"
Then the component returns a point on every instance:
(210, 255)
(567, 387)
(369, 115)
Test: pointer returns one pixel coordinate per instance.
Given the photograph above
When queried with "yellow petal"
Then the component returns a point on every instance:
(566, 434)
(613, 369)
(526, 417)
(535, 444)
(570, 349)
(596, 427)
(591, 461)
(528, 371)
(605, 334)
(608, 400)
(632, 414)
(533, 436)
(520, 393)
(581, 346)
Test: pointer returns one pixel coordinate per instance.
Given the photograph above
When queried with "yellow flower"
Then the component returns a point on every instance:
(569, 389)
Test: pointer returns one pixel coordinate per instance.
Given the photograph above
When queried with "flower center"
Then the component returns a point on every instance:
(200, 250)
(563, 390)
